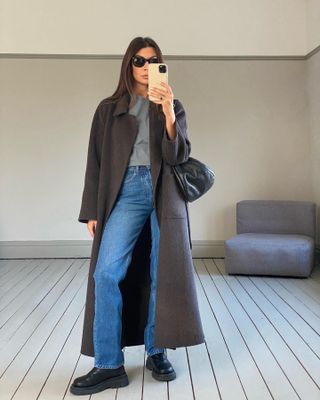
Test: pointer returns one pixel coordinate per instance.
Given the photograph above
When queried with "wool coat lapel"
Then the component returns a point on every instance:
(123, 135)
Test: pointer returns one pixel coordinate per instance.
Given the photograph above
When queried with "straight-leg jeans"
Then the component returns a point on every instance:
(132, 208)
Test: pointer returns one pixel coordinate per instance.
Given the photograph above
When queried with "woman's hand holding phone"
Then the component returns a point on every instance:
(162, 95)
(159, 91)
(165, 97)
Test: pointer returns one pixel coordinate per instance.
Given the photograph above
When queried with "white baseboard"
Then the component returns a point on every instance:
(208, 248)
(82, 249)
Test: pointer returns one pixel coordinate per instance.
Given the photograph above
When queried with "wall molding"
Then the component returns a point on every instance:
(167, 57)
(82, 249)
(313, 52)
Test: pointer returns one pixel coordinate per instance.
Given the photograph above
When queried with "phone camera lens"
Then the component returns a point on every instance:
(162, 68)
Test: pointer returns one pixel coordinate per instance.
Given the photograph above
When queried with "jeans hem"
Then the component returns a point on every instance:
(97, 365)
(158, 351)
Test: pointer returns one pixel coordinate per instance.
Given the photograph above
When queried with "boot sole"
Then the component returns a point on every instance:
(115, 382)
(160, 377)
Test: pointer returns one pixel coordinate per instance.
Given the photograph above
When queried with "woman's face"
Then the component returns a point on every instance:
(140, 75)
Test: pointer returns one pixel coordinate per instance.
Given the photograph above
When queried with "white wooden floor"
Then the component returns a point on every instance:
(262, 337)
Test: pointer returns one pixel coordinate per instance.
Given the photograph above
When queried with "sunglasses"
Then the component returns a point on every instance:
(139, 61)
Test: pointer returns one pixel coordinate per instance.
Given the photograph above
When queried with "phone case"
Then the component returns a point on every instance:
(155, 76)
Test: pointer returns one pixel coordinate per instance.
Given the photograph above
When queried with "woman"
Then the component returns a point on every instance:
(140, 285)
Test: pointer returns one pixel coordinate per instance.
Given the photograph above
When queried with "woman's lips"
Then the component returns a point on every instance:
(144, 76)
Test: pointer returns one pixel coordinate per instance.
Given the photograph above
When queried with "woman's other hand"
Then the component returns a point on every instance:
(92, 227)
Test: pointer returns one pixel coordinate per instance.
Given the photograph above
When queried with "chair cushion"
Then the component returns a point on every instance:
(269, 254)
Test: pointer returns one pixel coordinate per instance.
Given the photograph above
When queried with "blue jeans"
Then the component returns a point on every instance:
(132, 208)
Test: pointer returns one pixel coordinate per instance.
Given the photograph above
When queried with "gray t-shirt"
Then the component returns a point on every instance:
(140, 154)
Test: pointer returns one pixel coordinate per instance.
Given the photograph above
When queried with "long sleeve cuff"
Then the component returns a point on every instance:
(176, 151)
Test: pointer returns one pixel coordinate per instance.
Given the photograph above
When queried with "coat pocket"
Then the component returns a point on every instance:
(173, 202)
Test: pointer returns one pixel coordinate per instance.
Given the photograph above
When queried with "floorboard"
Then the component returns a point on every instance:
(262, 337)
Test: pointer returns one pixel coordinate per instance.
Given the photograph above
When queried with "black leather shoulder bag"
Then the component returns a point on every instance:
(194, 178)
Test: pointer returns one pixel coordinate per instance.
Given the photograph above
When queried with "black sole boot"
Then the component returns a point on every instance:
(99, 379)
(161, 367)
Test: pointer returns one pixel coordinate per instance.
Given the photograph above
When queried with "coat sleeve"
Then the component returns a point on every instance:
(177, 151)
(88, 209)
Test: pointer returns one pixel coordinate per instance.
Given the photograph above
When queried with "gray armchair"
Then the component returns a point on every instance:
(274, 237)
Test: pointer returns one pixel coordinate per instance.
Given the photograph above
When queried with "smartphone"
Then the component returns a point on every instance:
(158, 72)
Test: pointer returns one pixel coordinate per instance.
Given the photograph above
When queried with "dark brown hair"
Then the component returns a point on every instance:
(126, 80)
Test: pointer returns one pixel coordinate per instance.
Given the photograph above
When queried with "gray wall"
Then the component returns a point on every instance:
(313, 86)
(248, 119)
(252, 101)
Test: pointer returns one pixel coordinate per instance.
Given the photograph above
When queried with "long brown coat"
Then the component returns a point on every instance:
(112, 136)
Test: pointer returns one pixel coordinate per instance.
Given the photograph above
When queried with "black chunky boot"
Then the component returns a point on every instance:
(161, 367)
(99, 379)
